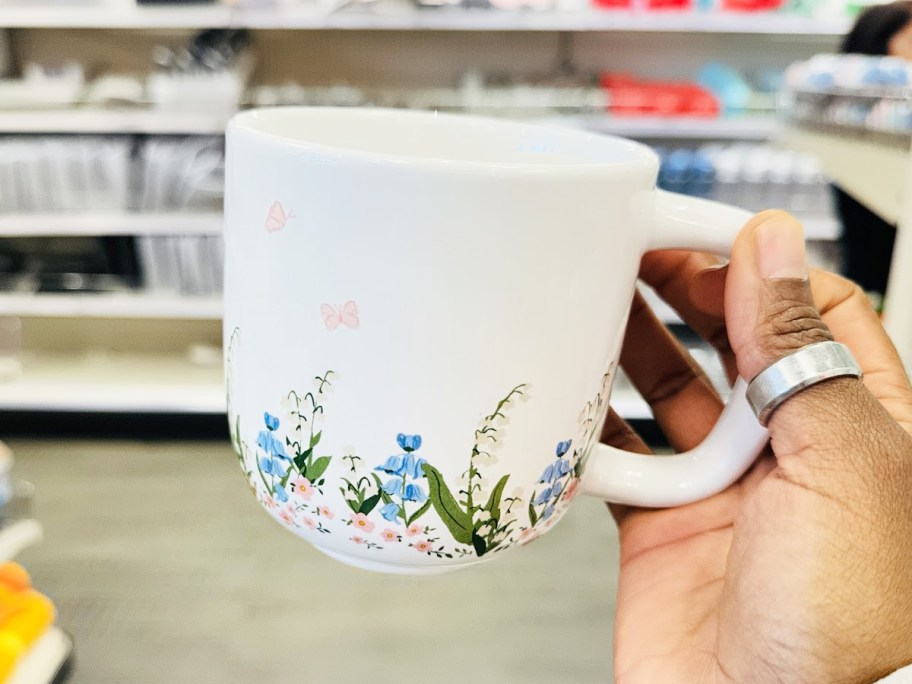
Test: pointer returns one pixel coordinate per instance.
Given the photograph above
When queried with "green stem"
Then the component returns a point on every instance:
(284, 480)
(402, 496)
(263, 477)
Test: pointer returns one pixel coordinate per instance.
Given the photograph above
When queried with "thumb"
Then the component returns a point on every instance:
(770, 313)
(769, 308)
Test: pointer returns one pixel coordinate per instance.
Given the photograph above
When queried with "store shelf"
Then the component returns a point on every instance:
(755, 128)
(876, 171)
(18, 536)
(120, 305)
(109, 223)
(44, 660)
(118, 383)
(403, 17)
(110, 120)
(100, 120)
(145, 384)
(871, 170)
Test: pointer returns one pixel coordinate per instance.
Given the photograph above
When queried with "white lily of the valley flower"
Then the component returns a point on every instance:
(485, 530)
(500, 420)
(484, 515)
(486, 457)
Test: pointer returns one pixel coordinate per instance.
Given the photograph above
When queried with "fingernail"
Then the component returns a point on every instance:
(779, 252)
(721, 262)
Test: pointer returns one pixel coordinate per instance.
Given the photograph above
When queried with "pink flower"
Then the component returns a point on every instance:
(389, 535)
(570, 491)
(422, 546)
(269, 501)
(360, 521)
(310, 524)
(357, 539)
(287, 515)
(302, 487)
(326, 513)
(413, 530)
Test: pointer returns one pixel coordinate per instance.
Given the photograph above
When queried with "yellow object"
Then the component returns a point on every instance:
(25, 615)
(14, 576)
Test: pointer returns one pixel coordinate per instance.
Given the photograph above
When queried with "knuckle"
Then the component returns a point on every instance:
(790, 324)
(670, 385)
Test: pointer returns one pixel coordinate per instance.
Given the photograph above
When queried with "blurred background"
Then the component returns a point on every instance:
(154, 563)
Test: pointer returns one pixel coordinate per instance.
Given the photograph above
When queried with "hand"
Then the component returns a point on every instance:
(802, 570)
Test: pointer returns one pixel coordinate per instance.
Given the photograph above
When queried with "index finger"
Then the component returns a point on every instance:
(848, 314)
(672, 275)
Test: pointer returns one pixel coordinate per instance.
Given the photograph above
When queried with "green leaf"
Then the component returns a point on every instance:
(458, 521)
(386, 497)
(479, 544)
(300, 461)
(533, 516)
(417, 514)
(315, 439)
(493, 505)
(317, 468)
(369, 504)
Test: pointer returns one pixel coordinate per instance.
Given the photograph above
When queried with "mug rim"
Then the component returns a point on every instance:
(258, 120)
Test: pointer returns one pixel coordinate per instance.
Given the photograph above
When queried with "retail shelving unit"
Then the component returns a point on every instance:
(403, 17)
(163, 354)
(875, 168)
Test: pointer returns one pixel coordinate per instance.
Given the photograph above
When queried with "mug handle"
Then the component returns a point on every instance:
(737, 438)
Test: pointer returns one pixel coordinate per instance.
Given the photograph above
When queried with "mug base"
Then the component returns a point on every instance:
(392, 568)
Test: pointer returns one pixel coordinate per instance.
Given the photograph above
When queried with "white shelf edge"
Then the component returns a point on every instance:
(118, 305)
(44, 659)
(404, 18)
(735, 128)
(139, 396)
(154, 122)
(115, 384)
(65, 223)
(18, 536)
(103, 120)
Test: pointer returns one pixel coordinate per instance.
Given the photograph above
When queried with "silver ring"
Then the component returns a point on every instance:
(797, 371)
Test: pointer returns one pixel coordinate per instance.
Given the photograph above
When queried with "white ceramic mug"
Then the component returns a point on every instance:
(423, 315)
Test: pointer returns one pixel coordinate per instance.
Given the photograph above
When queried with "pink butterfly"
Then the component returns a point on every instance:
(277, 218)
(347, 314)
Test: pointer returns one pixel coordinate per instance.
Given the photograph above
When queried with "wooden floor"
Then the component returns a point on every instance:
(165, 570)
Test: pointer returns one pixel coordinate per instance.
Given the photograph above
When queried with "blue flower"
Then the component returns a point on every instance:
(409, 442)
(268, 466)
(561, 468)
(556, 490)
(280, 494)
(563, 447)
(272, 422)
(393, 465)
(412, 466)
(272, 445)
(414, 492)
(403, 464)
(390, 512)
(393, 486)
(548, 474)
(542, 497)
(548, 512)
